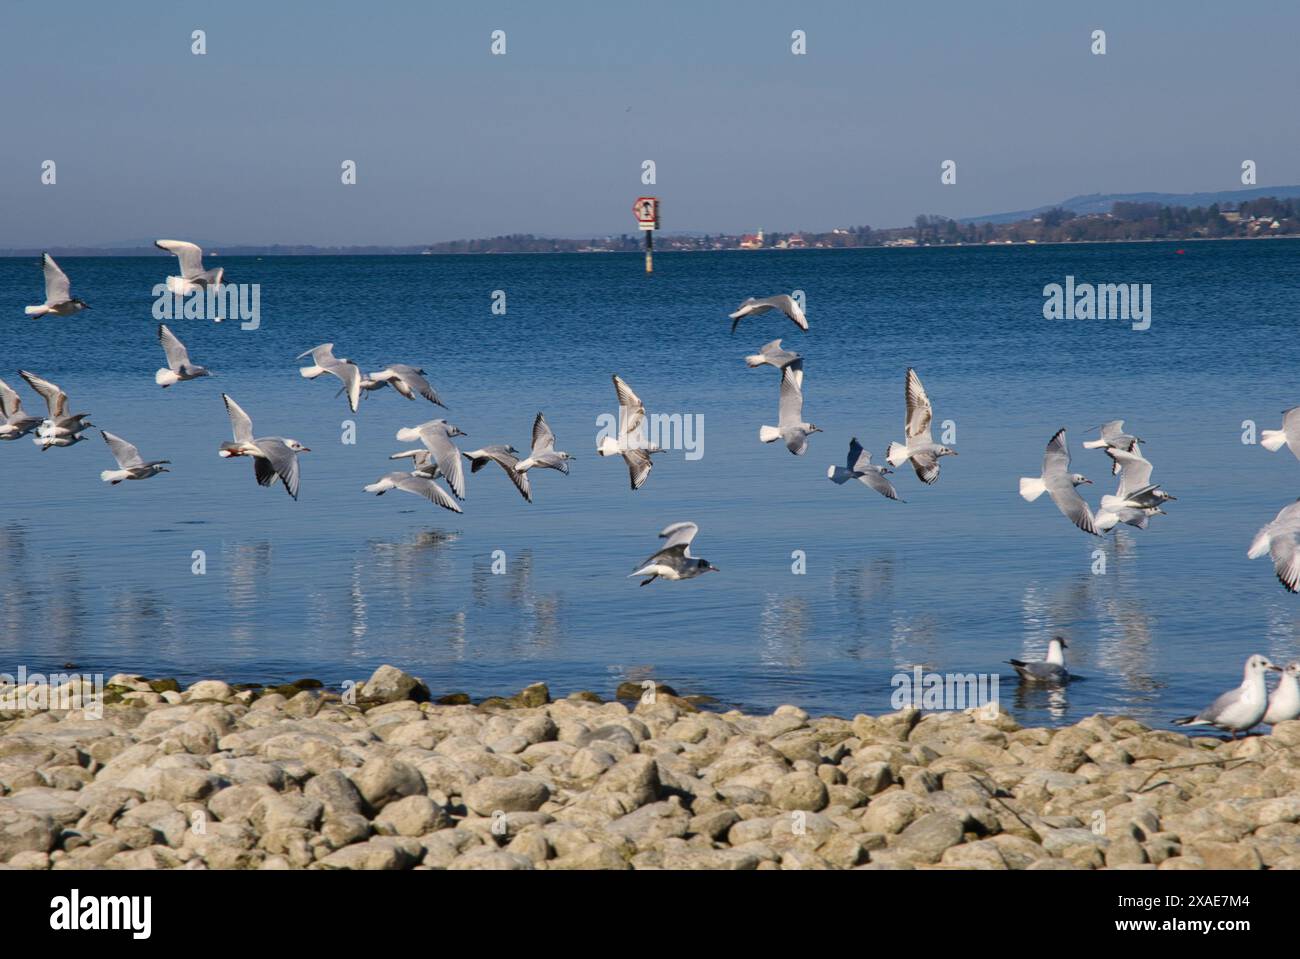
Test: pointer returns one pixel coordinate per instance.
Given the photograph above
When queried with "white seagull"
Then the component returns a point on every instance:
(14, 421)
(59, 300)
(1137, 498)
(1238, 709)
(324, 361)
(1049, 670)
(273, 456)
(544, 455)
(406, 380)
(788, 362)
(1114, 437)
(193, 276)
(790, 423)
(131, 465)
(1284, 703)
(1288, 435)
(920, 446)
(674, 560)
(507, 458)
(416, 483)
(1060, 483)
(783, 302)
(860, 467)
(437, 435)
(630, 444)
(1278, 539)
(179, 368)
(59, 428)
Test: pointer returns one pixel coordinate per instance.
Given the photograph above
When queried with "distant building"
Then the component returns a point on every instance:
(752, 241)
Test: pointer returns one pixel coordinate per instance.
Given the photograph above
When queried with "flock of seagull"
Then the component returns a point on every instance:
(275, 458)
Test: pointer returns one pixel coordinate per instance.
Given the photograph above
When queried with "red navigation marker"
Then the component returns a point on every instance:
(646, 209)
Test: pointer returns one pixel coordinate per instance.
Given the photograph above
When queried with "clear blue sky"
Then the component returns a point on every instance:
(245, 144)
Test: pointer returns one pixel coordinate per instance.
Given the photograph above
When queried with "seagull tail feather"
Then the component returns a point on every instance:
(769, 434)
(1032, 487)
(1272, 440)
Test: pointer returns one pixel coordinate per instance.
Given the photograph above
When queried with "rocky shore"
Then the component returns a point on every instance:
(290, 778)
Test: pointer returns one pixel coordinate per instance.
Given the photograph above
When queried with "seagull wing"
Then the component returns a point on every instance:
(678, 533)
(1069, 502)
(508, 462)
(1286, 561)
(631, 408)
(787, 305)
(448, 457)
(918, 410)
(423, 486)
(638, 466)
(415, 381)
(858, 457)
(351, 377)
(177, 356)
(791, 410)
(1291, 426)
(1135, 470)
(126, 455)
(56, 401)
(239, 421)
(58, 288)
(10, 402)
(543, 438)
(879, 483)
(190, 255)
(283, 460)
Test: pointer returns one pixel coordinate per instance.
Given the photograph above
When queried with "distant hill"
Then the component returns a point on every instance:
(1102, 202)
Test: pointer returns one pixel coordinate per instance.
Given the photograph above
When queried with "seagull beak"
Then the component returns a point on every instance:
(305, 449)
(1275, 668)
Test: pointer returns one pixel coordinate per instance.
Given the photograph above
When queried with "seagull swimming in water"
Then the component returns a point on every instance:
(437, 436)
(1284, 702)
(1240, 709)
(14, 421)
(179, 368)
(1278, 539)
(1288, 435)
(273, 456)
(406, 380)
(544, 455)
(790, 423)
(131, 465)
(59, 428)
(193, 276)
(860, 467)
(324, 361)
(674, 560)
(630, 444)
(1060, 483)
(788, 362)
(417, 484)
(920, 446)
(1049, 670)
(782, 301)
(59, 300)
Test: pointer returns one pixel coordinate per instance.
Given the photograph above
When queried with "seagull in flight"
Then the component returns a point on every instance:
(782, 301)
(860, 467)
(59, 428)
(920, 446)
(790, 423)
(1137, 498)
(1114, 437)
(417, 484)
(406, 380)
(131, 465)
(437, 436)
(59, 300)
(1060, 483)
(323, 361)
(179, 368)
(273, 456)
(674, 560)
(1238, 709)
(1278, 539)
(1049, 670)
(507, 458)
(14, 421)
(630, 444)
(544, 455)
(193, 276)
(788, 362)
(1288, 435)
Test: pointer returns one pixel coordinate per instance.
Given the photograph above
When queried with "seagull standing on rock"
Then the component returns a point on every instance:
(1240, 709)
(1284, 703)
(59, 300)
(920, 446)
(1049, 670)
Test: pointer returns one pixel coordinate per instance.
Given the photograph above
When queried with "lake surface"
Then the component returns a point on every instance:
(961, 577)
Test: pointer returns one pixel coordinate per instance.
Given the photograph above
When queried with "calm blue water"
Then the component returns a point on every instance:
(961, 577)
